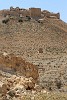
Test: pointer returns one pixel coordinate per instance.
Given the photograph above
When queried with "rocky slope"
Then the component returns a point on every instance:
(15, 64)
(42, 43)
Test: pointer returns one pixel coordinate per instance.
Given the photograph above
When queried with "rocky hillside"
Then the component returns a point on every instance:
(27, 37)
(42, 42)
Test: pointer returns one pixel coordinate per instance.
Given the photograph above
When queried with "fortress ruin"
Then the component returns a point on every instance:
(35, 13)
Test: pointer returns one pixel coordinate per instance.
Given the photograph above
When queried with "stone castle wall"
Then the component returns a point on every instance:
(31, 12)
(53, 15)
(50, 15)
(35, 12)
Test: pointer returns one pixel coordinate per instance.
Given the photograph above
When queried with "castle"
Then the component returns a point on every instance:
(31, 12)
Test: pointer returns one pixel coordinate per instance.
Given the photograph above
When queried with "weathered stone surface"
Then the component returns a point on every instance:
(19, 83)
(16, 86)
(35, 12)
(11, 93)
(4, 89)
(22, 82)
(18, 65)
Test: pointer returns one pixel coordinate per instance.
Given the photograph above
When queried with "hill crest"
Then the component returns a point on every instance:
(31, 12)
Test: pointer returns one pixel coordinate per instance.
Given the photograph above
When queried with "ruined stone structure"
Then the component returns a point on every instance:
(50, 14)
(15, 12)
(35, 13)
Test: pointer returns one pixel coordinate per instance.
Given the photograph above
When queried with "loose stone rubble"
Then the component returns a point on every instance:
(16, 87)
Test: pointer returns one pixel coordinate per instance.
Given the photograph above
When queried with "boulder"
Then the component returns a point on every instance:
(11, 93)
(18, 84)
(5, 88)
(17, 65)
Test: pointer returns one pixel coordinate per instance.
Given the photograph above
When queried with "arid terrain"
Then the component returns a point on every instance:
(33, 57)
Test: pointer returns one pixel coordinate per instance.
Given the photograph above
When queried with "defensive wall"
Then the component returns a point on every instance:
(50, 14)
(31, 12)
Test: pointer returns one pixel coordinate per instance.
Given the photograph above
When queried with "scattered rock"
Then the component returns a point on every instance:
(11, 93)
(5, 88)
(18, 65)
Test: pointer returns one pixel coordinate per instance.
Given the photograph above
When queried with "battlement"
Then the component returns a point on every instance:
(31, 12)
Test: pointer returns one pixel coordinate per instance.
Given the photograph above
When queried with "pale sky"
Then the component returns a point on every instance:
(50, 5)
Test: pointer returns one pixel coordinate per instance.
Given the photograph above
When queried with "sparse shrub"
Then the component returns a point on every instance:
(28, 18)
(5, 21)
(17, 64)
(20, 20)
(58, 84)
(38, 21)
(40, 50)
(14, 69)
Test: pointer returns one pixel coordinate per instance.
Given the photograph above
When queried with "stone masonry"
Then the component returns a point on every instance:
(35, 13)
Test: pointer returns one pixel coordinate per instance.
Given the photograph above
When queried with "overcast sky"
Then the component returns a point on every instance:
(51, 5)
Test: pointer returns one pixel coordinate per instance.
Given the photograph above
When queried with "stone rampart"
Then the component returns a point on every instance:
(53, 15)
(50, 15)
(31, 12)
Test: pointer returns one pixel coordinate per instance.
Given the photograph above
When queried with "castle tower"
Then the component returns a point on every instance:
(35, 12)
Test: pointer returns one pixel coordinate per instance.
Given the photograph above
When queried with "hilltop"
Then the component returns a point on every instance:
(39, 40)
